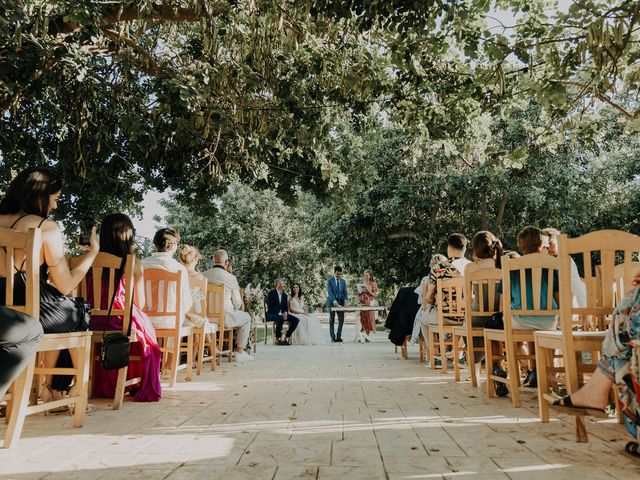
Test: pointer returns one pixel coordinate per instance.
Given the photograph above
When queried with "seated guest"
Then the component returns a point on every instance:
(278, 312)
(166, 242)
(487, 252)
(116, 238)
(20, 335)
(435, 259)
(615, 366)
(456, 249)
(233, 316)
(189, 257)
(28, 201)
(309, 331)
(530, 240)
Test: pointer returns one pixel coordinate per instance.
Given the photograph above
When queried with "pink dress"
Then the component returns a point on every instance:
(147, 368)
(368, 319)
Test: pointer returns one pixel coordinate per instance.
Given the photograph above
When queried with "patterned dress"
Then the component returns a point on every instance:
(368, 319)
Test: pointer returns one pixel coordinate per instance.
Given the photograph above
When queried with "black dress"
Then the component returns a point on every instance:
(402, 315)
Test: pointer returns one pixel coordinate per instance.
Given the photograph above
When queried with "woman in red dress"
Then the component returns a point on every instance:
(368, 292)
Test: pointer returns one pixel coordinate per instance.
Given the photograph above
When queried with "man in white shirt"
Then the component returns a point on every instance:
(166, 242)
(456, 249)
(233, 316)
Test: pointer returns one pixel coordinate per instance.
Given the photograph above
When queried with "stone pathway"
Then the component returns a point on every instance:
(339, 411)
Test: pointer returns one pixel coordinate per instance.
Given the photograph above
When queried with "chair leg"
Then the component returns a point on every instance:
(82, 379)
(220, 346)
(405, 350)
(201, 338)
(421, 345)
(443, 353)
(118, 399)
(433, 340)
(230, 343)
(471, 361)
(488, 355)
(187, 376)
(175, 360)
(20, 399)
(542, 359)
(456, 353)
(514, 374)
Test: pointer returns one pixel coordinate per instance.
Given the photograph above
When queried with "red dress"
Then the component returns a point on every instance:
(368, 319)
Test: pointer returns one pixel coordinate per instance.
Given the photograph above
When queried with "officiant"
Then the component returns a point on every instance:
(368, 295)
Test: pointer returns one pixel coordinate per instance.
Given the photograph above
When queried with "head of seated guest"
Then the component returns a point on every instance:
(166, 241)
(117, 235)
(190, 256)
(487, 250)
(530, 241)
(456, 250)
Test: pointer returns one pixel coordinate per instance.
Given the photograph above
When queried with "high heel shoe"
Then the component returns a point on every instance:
(74, 391)
(47, 394)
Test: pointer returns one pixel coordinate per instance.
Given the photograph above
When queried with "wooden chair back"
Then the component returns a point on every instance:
(450, 299)
(623, 276)
(24, 245)
(158, 292)
(201, 285)
(598, 252)
(539, 268)
(100, 305)
(481, 294)
(215, 304)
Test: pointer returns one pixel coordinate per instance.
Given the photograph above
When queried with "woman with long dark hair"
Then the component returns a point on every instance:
(27, 203)
(117, 238)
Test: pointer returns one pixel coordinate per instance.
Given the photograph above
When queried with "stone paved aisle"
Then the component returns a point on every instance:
(339, 411)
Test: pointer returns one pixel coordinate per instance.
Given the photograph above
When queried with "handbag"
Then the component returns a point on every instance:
(495, 322)
(114, 353)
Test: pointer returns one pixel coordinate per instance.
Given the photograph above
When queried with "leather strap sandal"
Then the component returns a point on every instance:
(565, 405)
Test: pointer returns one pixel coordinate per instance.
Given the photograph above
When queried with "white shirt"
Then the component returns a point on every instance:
(460, 264)
(166, 262)
(232, 298)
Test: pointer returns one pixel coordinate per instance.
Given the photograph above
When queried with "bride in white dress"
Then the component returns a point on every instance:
(309, 331)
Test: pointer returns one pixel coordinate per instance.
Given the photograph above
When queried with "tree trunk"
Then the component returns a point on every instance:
(500, 215)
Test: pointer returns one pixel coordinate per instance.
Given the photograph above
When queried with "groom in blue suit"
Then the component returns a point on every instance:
(336, 296)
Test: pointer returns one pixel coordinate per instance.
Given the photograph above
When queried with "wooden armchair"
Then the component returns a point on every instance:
(481, 298)
(450, 305)
(100, 307)
(18, 407)
(215, 314)
(597, 252)
(539, 266)
(200, 332)
(158, 291)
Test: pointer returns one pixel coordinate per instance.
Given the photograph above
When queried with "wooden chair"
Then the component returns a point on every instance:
(540, 266)
(157, 287)
(200, 332)
(110, 263)
(18, 407)
(480, 291)
(607, 245)
(451, 290)
(215, 314)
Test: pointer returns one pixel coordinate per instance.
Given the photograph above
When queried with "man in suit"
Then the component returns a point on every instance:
(336, 296)
(278, 312)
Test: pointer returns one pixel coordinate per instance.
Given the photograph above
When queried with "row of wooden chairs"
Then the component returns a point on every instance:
(609, 259)
(157, 283)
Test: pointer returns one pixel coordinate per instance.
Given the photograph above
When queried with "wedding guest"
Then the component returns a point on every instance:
(190, 256)
(368, 295)
(278, 312)
(20, 335)
(166, 242)
(336, 296)
(116, 238)
(233, 316)
(456, 250)
(27, 203)
(309, 330)
(435, 259)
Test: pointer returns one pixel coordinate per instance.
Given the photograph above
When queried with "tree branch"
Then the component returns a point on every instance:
(399, 235)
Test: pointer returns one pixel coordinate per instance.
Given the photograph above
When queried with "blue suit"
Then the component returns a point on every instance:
(336, 292)
(275, 310)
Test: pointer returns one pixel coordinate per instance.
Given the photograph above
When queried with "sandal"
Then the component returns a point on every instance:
(632, 448)
(565, 405)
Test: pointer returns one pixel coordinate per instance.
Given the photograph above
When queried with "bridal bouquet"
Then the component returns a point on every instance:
(253, 300)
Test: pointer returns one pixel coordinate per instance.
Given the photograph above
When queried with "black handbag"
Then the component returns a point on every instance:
(114, 353)
(495, 322)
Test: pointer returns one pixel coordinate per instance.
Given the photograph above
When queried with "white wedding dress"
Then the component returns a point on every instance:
(309, 331)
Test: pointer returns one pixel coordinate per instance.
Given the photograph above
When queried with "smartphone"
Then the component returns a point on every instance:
(86, 225)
